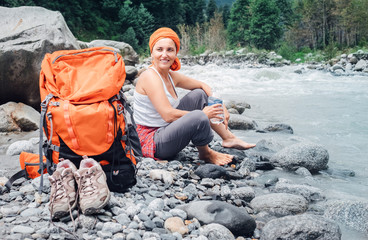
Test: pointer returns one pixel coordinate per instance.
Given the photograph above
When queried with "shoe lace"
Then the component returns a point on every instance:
(60, 189)
(86, 186)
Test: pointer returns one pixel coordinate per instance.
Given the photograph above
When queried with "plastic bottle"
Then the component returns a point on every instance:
(214, 100)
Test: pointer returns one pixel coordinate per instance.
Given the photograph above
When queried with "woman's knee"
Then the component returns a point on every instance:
(200, 118)
(199, 93)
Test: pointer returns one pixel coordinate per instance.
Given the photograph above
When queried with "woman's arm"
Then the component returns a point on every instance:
(186, 82)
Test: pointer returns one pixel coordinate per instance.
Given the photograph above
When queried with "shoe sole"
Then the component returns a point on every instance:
(92, 210)
(61, 214)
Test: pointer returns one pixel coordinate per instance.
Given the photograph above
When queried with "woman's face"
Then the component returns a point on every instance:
(163, 53)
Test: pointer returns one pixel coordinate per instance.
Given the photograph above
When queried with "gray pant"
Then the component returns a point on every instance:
(193, 126)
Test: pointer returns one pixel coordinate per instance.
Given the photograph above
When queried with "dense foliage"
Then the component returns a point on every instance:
(287, 25)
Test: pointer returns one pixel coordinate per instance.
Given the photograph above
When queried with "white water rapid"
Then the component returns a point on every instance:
(328, 110)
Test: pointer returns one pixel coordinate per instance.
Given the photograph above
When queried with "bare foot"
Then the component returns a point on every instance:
(216, 158)
(237, 144)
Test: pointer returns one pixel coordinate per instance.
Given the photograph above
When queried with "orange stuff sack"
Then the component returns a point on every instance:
(30, 168)
(30, 163)
(83, 110)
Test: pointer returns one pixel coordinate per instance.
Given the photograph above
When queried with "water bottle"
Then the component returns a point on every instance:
(214, 100)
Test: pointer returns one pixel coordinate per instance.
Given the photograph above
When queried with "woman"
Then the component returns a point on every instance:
(166, 124)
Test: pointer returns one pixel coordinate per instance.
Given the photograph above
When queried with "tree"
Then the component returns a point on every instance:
(287, 15)
(211, 9)
(239, 23)
(265, 27)
(194, 11)
(135, 22)
(225, 10)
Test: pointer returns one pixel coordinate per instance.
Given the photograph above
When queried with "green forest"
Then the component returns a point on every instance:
(286, 26)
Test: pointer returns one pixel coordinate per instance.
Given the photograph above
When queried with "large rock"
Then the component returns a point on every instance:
(309, 155)
(351, 213)
(26, 35)
(361, 65)
(241, 122)
(237, 220)
(301, 227)
(18, 117)
(127, 52)
(308, 192)
(279, 204)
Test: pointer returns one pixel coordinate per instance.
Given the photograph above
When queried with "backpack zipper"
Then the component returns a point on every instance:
(115, 54)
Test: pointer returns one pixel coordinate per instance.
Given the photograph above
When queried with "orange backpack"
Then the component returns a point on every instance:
(84, 112)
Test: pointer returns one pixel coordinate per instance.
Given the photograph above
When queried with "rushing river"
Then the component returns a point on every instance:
(328, 110)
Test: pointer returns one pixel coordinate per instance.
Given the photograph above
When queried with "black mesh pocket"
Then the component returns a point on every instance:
(121, 177)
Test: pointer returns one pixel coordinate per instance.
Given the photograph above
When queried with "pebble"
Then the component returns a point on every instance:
(176, 224)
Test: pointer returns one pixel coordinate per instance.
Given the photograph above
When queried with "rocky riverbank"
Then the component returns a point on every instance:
(186, 198)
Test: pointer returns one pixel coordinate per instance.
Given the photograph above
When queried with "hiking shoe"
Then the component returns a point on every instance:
(63, 191)
(93, 191)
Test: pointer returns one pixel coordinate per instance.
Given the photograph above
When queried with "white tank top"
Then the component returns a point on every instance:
(145, 113)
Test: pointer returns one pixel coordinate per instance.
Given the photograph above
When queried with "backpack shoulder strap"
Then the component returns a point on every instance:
(22, 173)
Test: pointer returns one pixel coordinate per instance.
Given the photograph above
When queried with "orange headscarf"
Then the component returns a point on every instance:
(166, 33)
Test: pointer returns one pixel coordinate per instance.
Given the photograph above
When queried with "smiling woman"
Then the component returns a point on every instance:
(166, 124)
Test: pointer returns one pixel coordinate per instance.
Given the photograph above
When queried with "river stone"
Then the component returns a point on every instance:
(176, 224)
(130, 57)
(26, 35)
(19, 146)
(301, 227)
(163, 175)
(7, 123)
(309, 155)
(22, 229)
(244, 193)
(308, 192)
(351, 213)
(131, 72)
(361, 65)
(210, 171)
(241, 122)
(237, 220)
(239, 106)
(25, 117)
(112, 227)
(279, 204)
(279, 127)
(216, 231)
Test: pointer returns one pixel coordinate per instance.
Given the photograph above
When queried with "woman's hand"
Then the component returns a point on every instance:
(213, 111)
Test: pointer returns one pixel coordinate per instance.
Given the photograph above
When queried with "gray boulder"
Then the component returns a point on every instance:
(131, 72)
(280, 127)
(301, 227)
(351, 213)
(309, 155)
(26, 35)
(18, 117)
(361, 65)
(127, 52)
(20, 146)
(279, 204)
(210, 171)
(237, 220)
(216, 231)
(241, 122)
(239, 106)
(308, 192)
(244, 193)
